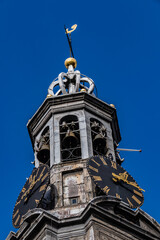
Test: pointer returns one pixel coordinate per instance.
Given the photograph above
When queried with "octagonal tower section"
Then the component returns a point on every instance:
(72, 126)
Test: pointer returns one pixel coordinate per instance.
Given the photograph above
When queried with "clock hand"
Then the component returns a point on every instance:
(29, 189)
(31, 192)
(116, 177)
(129, 189)
(32, 185)
(23, 196)
(123, 177)
(135, 185)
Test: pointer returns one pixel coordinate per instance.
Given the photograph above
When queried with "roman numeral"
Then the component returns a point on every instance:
(17, 220)
(46, 175)
(37, 172)
(43, 170)
(21, 221)
(106, 189)
(94, 169)
(23, 189)
(138, 193)
(95, 162)
(136, 199)
(41, 174)
(117, 195)
(18, 202)
(130, 204)
(103, 161)
(16, 213)
(97, 178)
(37, 201)
(30, 179)
(114, 165)
(42, 187)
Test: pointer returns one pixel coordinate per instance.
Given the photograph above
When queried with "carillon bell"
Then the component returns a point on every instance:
(70, 140)
(44, 154)
(99, 142)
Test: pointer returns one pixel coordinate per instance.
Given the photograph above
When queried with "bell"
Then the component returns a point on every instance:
(99, 143)
(70, 140)
(44, 154)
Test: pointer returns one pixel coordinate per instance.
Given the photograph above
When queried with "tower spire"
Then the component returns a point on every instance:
(72, 81)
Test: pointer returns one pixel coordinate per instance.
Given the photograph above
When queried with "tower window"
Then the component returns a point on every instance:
(74, 201)
(70, 138)
(99, 137)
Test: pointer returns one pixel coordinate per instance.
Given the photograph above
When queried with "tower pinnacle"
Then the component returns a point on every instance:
(72, 81)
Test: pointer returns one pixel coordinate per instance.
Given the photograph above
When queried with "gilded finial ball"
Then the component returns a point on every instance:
(70, 61)
(112, 105)
(83, 90)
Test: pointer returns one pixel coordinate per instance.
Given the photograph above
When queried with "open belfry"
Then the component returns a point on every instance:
(78, 189)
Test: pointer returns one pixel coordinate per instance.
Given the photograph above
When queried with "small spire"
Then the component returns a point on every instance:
(72, 81)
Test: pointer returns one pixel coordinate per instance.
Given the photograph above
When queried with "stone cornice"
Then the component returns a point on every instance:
(110, 210)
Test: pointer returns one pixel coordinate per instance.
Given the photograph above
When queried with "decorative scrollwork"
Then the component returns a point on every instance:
(73, 29)
(70, 82)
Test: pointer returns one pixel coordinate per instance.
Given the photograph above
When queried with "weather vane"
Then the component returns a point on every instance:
(68, 34)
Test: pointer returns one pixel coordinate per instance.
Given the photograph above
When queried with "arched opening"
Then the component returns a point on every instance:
(99, 137)
(43, 147)
(70, 138)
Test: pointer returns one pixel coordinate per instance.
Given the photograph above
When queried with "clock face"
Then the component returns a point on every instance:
(115, 181)
(31, 193)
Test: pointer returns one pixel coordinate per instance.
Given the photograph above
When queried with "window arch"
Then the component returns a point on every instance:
(99, 137)
(70, 138)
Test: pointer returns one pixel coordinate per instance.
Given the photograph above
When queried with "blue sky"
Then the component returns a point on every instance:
(117, 44)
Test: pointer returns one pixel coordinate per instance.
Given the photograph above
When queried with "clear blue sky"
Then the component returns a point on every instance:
(117, 44)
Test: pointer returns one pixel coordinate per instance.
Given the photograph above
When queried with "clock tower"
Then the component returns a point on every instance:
(78, 189)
